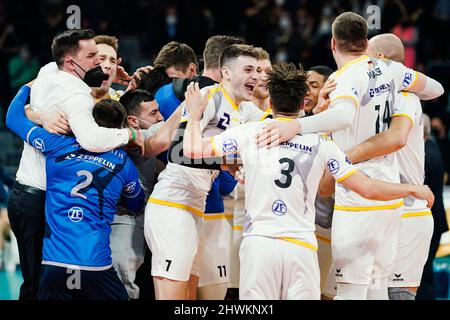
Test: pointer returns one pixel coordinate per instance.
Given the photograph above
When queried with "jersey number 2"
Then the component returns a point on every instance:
(74, 192)
(224, 121)
(286, 172)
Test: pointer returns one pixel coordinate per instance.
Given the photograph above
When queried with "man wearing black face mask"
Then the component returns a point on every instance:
(67, 90)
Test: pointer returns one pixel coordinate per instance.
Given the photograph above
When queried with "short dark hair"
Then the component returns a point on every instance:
(109, 113)
(237, 50)
(153, 80)
(108, 40)
(176, 54)
(214, 47)
(350, 32)
(324, 71)
(132, 99)
(287, 87)
(67, 42)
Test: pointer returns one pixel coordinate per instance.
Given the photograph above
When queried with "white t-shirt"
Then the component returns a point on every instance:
(411, 158)
(373, 85)
(281, 183)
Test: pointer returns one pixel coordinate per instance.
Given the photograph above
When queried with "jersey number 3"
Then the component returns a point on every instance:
(286, 173)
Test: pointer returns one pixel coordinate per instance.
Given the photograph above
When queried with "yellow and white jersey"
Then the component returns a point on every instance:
(281, 183)
(372, 84)
(411, 158)
(185, 187)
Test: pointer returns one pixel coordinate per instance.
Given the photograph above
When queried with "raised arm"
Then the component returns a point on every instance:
(194, 146)
(16, 120)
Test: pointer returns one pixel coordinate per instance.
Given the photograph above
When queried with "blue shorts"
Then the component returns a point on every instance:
(60, 283)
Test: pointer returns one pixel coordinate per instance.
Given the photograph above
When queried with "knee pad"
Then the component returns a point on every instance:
(401, 294)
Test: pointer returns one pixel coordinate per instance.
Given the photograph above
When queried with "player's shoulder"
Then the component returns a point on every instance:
(248, 108)
(352, 68)
(118, 155)
(212, 89)
(115, 94)
(408, 100)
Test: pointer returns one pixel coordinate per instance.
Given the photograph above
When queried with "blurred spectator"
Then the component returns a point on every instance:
(434, 176)
(22, 68)
(408, 33)
(439, 131)
(6, 183)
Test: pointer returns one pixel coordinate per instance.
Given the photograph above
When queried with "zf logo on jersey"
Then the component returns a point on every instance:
(129, 188)
(333, 166)
(39, 144)
(279, 208)
(407, 80)
(75, 214)
(229, 146)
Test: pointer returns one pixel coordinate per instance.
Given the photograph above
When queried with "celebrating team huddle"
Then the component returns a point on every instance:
(281, 182)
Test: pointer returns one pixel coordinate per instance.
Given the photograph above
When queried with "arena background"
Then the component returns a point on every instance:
(290, 30)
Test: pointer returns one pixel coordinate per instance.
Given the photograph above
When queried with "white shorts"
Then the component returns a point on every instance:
(213, 257)
(275, 269)
(364, 244)
(416, 230)
(172, 235)
(327, 282)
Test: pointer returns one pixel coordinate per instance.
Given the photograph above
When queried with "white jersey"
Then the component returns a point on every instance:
(411, 158)
(281, 183)
(184, 187)
(373, 85)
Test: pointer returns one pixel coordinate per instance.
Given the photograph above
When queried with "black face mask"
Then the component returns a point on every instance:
(94, 77)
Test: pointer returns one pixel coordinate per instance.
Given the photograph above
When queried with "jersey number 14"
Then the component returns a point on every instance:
(385, 120)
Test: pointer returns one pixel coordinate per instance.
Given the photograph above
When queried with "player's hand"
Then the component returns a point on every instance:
(122, 77)
(139, 142)
(324, 96)
(424, 193)
(196, 101)
(136, 78)
(277, 132)
(55, 122)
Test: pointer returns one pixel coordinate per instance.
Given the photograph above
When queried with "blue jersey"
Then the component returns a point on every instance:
(221, 186)
(167, 100)
(83, 189)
